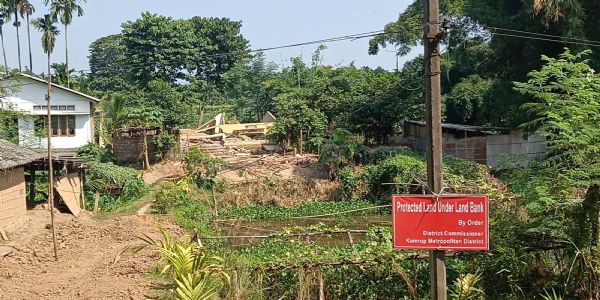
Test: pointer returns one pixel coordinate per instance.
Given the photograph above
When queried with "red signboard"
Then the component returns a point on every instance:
(450, 222)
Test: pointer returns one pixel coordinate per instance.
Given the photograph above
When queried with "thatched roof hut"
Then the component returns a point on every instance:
(12, 155)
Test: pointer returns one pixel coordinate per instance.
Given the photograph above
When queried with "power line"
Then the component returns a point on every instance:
(351, 37)
(545, 35)
(591, 44)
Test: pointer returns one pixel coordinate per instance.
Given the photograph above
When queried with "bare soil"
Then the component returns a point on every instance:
(94, 261)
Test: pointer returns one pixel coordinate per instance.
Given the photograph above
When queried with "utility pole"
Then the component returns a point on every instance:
(50, 170)
(433, 95)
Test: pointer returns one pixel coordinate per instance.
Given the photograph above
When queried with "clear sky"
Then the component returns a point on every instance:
(265, 23)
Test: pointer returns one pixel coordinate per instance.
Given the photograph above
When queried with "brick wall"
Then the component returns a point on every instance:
(128, 146)
(13, 207)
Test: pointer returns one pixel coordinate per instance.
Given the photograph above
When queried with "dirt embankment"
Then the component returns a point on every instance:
(92, 263)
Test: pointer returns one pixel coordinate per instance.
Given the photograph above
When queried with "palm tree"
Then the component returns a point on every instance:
(4, 17)
(26, 9)
(64, 10)
(47, 27)
(13, 8)
(60, 73)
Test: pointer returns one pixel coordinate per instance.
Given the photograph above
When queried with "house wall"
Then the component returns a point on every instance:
(532, 147)
(83, 134)
(29, 93)
(13, 207)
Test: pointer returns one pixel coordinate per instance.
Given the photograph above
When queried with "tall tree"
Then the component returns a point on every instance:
(565, 108)
(13, 4)
(26, 9)
(5, 16)
(49, 31)
(60, 73)
(63, 10)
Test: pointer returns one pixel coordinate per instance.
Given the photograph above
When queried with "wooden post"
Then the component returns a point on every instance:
(81, 189)
(96, 201)
(31, 183)
(321, 286)
(301, 142)
(50, 170)
(214, 196)
(433, 103)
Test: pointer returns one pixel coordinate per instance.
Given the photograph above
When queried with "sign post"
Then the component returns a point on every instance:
(446, 222)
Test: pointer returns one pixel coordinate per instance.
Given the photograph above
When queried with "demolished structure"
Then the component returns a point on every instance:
(217, 138)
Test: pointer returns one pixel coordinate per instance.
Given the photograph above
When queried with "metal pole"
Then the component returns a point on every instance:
(434, 128)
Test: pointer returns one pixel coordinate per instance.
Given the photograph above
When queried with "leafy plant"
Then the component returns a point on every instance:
(465, 288)
(197, 274)
(92, 152)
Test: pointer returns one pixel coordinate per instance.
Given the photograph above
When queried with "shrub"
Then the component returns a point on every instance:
(171, 195)
(94, 153)
(116, 185)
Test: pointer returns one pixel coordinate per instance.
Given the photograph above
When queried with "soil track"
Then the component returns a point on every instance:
(92, 262)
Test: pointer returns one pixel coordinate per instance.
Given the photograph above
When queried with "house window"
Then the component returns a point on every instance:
(70, 107)
(37, 107)
(61, 125)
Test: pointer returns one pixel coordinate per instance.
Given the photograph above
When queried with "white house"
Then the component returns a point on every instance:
(72, 112)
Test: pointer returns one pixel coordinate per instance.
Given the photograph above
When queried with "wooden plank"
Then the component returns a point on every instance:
(69, 194)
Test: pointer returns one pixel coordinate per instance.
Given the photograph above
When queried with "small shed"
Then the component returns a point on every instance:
(13, 205)
(484, 145)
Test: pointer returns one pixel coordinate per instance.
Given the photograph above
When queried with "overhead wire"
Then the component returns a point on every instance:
(541, 37)
(351, 37)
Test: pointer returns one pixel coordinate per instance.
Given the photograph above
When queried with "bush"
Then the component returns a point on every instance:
(94, 153)
(171, 195)
(116, 185)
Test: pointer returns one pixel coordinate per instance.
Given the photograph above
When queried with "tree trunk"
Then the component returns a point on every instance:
(29, 42)
(3, 49)
(18, 39)
(67, 56)
(146, 159)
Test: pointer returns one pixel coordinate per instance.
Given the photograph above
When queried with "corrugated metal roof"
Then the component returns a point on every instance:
(459, 126)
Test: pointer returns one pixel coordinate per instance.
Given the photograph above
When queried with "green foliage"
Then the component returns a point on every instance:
(117, 185)
(477, 65)
(402, 172)
(567, 112)
(197, 274)
(92, 152)
(203, 168)
(257, 212)
(164, 141)
(171, 195)
(9, 127)
(340, 151)
(464, 288)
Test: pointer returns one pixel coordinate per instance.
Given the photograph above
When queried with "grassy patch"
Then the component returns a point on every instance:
(258, 212)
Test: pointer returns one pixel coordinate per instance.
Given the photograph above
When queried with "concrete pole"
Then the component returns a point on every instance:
(434, 129)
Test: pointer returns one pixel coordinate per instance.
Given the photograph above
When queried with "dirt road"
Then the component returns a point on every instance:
(91, 264)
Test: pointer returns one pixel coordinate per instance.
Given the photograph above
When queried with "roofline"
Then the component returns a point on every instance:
(59, 86)
(459, 126)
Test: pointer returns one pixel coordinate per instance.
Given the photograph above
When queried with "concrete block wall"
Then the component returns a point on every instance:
(13, 206)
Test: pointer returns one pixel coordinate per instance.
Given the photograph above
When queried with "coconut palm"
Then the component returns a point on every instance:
(47, 27)
(63, 10)
(5, 16)
(12, 4)
(26, 9)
